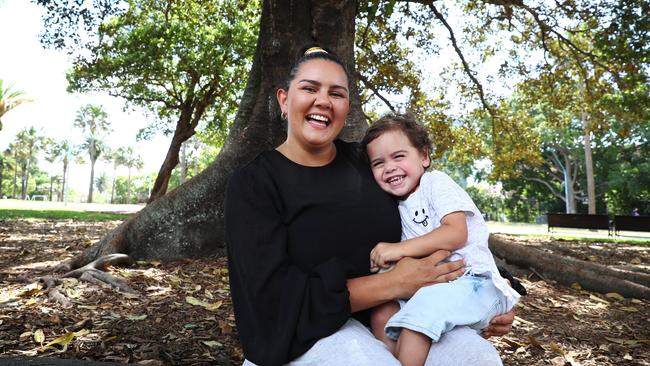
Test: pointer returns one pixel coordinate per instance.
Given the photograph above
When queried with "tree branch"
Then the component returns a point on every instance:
(374, 90)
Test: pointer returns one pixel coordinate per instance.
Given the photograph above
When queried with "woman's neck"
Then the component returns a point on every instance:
(312, 157)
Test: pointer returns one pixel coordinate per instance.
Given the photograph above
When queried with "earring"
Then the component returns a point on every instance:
(283, 115)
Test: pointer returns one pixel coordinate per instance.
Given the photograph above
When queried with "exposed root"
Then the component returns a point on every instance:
(101, 264)
(53, 293)
(95, 276)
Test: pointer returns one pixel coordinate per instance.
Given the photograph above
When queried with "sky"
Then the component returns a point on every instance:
(40, 73)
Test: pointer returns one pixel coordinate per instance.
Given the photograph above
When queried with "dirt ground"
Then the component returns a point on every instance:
(182, 314)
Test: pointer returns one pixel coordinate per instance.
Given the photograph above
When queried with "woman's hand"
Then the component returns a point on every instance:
(414, 273)
(500, 325)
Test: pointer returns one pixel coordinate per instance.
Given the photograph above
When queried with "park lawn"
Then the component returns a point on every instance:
(53, 214)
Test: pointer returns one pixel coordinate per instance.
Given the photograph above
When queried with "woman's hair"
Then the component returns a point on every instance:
(406, 123)
(313, 53)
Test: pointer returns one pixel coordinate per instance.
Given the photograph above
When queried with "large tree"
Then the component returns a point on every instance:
(184, 61)
(188, 222)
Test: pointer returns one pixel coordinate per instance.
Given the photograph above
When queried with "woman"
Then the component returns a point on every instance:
(300, 222)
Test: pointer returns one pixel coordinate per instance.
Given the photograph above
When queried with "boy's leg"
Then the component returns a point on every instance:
(412, 348)
(378, 320)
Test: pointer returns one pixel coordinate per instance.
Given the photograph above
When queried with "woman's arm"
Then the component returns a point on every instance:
(402, 281)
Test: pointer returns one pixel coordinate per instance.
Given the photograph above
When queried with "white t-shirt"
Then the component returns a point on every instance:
(437, 196)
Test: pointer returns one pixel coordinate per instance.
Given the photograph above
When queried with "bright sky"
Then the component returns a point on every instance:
(40, 73)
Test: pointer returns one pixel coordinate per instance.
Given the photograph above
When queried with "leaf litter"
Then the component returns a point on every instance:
(182, 314)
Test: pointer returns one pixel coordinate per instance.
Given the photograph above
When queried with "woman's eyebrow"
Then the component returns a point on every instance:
(318, 83)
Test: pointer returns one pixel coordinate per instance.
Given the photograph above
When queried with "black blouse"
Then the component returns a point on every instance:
(295, 234)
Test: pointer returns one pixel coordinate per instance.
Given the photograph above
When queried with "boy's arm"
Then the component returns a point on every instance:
(451, 235)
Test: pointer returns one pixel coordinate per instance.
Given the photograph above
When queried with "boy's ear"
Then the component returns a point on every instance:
(426, 160)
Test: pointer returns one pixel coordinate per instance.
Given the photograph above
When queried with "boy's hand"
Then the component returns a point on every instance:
(384, 254)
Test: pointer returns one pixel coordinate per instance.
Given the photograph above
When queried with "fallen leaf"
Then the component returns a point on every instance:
(627, 357)
(534, 342)
(555, 348)
(65, 340)
(558, 361)
(25, 335)
(136, 317)
(596, 298)
(615, 296)
(194, 301)
(212, 344)
(39, 337)
(630, 309)
(72, 293)
(31, 289)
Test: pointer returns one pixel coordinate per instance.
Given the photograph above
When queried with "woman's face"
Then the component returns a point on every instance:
(316, 103)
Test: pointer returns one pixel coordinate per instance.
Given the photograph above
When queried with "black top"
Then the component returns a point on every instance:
(295, 234)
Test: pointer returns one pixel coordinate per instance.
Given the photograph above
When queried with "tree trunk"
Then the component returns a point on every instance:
(188, 222)
(63, 180)
(128, 187)
(183, 164)
(566, 270)
(171, 160)
(92, 178)
(113, 185)
(15, 173)
(589, 165)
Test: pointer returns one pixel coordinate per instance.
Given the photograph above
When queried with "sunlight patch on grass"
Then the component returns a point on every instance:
(12, 214)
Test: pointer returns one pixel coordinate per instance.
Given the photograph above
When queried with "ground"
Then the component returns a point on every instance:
(182, 315)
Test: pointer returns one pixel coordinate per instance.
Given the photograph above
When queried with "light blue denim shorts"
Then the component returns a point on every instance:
(433, 310)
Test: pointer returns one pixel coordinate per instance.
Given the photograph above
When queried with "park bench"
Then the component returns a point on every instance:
(579, 221)
(631, 223)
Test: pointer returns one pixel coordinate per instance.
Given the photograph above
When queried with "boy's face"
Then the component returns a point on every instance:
(396, 165)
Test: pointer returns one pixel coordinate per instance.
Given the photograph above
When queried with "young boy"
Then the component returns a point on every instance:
(436, 215)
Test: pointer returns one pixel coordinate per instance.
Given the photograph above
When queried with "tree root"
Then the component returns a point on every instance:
(53, 293)
(92, 272)
(567, 270)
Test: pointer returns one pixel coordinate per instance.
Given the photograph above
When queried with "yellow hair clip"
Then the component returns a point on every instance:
(314, 50)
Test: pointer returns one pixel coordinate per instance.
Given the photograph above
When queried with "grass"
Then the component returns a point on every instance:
(11, 214)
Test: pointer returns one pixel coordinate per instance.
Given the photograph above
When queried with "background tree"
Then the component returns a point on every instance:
(131, 160)
(93, 121)
(10, 99)
(184, 61)
(60, 151)
(28, 142)
(173, 227)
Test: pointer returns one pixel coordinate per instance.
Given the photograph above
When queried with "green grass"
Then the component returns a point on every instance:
(559, 237)
(10, 214)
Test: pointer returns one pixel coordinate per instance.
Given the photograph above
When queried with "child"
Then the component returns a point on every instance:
(436, 215)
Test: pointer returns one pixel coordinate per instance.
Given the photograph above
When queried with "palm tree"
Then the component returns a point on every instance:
(28, 143)
(117, 157)
(60, 151)
(92, 120)
(130, 160)
(10, 99)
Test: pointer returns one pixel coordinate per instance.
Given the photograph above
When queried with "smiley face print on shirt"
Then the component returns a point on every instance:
(420, 217)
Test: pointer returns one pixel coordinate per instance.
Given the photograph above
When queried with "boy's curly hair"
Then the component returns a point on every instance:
(405, 122)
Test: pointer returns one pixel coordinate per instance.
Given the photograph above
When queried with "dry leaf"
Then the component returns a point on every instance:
(615, 296)
(136, 317)
(25, 335)
(31, 289)
(630, 309)
(212, 344)
(39, 337)
(194, 301)
(555, 348)
(534, 342)
(65, 340)
(72, 293)
(596, 298)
